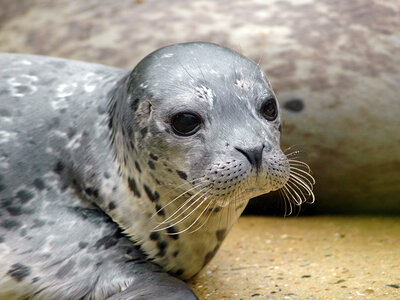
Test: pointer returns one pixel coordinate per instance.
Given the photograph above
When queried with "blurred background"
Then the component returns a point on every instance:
(335, 66)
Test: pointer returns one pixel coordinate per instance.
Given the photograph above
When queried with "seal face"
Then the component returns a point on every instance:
(171, 152)
(205, 127)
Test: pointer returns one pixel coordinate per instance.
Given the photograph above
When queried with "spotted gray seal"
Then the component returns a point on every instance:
(109, 177)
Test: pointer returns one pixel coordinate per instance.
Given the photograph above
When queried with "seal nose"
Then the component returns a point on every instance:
(253, 155)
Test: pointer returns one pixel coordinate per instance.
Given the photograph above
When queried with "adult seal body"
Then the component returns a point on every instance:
(112, 181)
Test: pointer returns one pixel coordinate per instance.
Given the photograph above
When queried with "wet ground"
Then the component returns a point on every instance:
(306, 258)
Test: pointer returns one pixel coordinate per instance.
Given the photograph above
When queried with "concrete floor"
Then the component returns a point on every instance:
(306, 258)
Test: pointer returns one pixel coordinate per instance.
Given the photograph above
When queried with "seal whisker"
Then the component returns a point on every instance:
(286, 201)
(176, 198)
(299, 163)
(192, 203)
(200, 215)
(303, 181)
(299, 181)
(296, 197)
(303, 174)
(296, 187)
(185, 217)
(208, 214)
(289, 149)
(187, 201)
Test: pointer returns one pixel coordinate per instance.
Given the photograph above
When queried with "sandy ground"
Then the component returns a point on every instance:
(306, 258)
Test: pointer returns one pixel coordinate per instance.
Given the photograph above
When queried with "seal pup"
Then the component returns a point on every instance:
(111, 179)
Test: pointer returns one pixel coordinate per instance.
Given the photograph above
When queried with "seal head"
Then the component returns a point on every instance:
(196, 130)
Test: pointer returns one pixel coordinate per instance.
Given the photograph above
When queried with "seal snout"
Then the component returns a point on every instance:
(253, 155)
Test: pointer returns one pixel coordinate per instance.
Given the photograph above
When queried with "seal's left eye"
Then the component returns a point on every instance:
(185, 123)
(269, 109)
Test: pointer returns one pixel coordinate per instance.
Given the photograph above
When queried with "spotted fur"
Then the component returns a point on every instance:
(98, 192)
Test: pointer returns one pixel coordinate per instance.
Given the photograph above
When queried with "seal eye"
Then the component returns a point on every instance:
(269, 109)
(185, 123)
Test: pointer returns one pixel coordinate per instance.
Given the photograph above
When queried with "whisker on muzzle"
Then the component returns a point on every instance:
(299, 187)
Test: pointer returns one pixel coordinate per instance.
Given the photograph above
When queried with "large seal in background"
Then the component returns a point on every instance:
(108, 175)
(335, 66)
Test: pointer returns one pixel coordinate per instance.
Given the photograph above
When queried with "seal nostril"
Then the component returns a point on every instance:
(253, 155)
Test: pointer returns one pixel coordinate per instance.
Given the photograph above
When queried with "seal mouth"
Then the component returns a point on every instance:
(230, 186)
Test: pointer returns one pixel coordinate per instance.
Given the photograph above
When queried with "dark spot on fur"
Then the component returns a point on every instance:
(110, 123)
(181, 174)
(179, 272)
(162, 245)
(159, 210)
(54, 123)
(71, 132)
(93, 215)
(143, 131)
(59, 167)
(83, 245)
(138, 167)
(172, 233)
(39, 184)
(35, 279)
(19, 271)
(65, 269)
(24, 196)
(133, 187)
(96, 193)
(111, 205)
(22, 89)
(169, 170)
(154, 236)
(175, 254)
(153, 157)
(89, 191)
(210, 255)
(134, 104)
(10, 224)
(280, 128)
(107, 175)
(215, 209)
(294, 105)
(23, 232)
(151, 165)
(38, 223)
(5, 113)
(106, 242)
(132, 145)
(153, 197)
(14, 210)
(220, 234)
(18, 210)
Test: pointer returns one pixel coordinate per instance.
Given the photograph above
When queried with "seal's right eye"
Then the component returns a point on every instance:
(269, 109)
(185, 123)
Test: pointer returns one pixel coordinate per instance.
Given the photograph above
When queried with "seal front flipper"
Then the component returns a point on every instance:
(156, 285)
